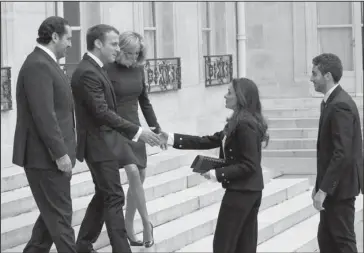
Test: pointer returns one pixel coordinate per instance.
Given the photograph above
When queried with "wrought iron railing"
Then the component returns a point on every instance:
(218, 69)
(69, 68)
(163, 74)
(6, 98)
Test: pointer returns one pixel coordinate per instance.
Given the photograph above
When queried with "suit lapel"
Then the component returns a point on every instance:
(54, 64)
(105, 76)
(324, 111)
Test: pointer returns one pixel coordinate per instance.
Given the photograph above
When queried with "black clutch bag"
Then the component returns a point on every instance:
(202, 164)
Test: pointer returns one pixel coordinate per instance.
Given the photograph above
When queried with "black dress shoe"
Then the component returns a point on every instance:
(149, 244)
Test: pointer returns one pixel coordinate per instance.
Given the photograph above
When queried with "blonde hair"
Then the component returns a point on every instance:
(132, 39)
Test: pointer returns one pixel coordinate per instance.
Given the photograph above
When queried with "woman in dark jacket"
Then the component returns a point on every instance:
(240, 145)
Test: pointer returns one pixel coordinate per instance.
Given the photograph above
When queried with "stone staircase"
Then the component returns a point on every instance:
(183, 206)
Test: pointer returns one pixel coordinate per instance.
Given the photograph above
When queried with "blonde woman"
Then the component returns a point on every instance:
(127, 77)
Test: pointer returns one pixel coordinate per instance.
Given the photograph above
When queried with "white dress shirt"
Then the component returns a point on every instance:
(99, 62)
(49, 52)
(328, 93)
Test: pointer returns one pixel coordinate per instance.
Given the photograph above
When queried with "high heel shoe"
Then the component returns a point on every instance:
(135, 243)
(149, 244)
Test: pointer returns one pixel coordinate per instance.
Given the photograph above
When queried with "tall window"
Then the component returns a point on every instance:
(150, 29)
(220, 27)
(159, 29)
(335, 31)
(206, 28)
(71, 12)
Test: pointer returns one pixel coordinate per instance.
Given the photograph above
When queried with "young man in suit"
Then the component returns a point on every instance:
(44, 141)
(98, 125)
(339, 158)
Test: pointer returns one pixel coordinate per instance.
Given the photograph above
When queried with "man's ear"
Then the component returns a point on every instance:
(98, 43)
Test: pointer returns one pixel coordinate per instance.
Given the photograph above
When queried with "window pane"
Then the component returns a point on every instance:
(206, 43)
(149, 37)
(148, 14)
(205, 14)
(165, 31)
(74, 52)
(329, 43)
(334, 13)
(71, 12)
(220, 27)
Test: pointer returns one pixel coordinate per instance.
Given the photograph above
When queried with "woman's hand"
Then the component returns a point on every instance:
(210, 175)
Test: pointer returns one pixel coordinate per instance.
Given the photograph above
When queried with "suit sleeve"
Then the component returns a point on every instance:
(146, 106)
(38, 87)
(342, 132)
(247, 158)
(183, 141)
(94, 98)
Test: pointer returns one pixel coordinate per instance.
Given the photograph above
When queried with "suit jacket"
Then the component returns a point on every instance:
(242, 153)
(45, 127)
(339, 147)
(96, 115)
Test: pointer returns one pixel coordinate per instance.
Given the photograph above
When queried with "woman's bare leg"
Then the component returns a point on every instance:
(136, 201)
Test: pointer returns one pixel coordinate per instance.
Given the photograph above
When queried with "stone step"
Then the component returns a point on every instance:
(271, 221)
(297, 153)
(303, 236)
(14, 177)
(188, 229)
(21, 200)
(306, 112)
(309, 102)
(19, 227)
(294, 133)
(162, 209)
(292, 143)
(292, 165)
(309, 122)
(293, 122)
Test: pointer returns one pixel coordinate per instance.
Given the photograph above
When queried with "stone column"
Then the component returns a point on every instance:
(241, 39)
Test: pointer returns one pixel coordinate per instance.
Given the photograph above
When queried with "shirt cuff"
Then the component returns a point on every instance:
(137, 135)
(170, 140)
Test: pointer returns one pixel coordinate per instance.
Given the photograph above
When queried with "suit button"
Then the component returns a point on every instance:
(227, 181)
(230, 150)
(180, 138)
(180, 146)
(231, 157)
(222, 174)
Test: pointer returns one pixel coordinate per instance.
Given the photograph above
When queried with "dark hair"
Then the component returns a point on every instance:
(49, 26)
(98, 32)
(329, 63)
(249, 109)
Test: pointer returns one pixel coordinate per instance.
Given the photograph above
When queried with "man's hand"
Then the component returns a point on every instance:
(151, 138)
(318, 200)
(64, 164)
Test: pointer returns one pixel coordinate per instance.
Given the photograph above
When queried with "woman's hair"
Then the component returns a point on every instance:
(132, 40)
(248, 109)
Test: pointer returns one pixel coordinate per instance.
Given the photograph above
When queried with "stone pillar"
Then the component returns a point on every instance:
(241, 39)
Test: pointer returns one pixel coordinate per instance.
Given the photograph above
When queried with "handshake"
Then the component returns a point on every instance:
(155, 137)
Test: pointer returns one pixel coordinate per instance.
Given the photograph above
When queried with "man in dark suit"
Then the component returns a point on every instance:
(44, 141)
(97, 124)
(339, 158)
